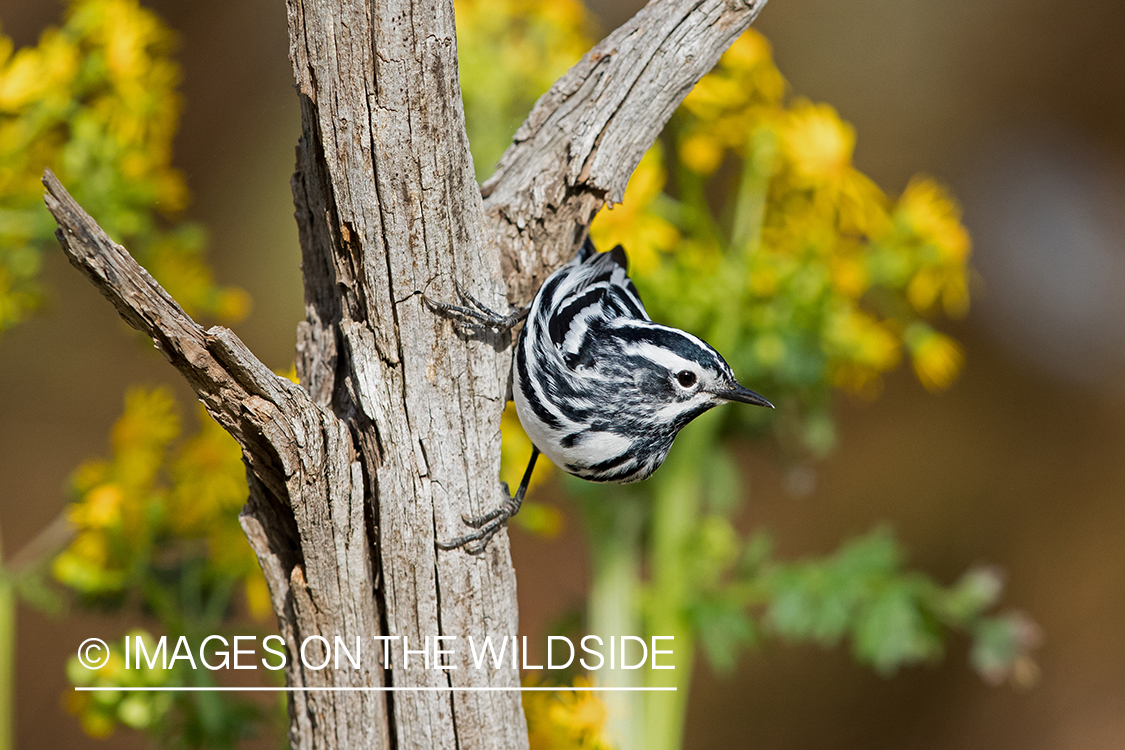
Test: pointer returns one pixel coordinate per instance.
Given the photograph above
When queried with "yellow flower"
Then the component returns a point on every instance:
(632, 223)
(560, 13)
(714, 95)
(140, 437)
(745, 77)
(233, 304)
(861, 349)
(208, 481)
(863, 207)
(567, 720)
(127, 504)
(581, 714)
(701, 152)
(748, 50)
(931, 213)
(91, 546)
(100, 508)
(849, 276)
(134, 30)
(38, 72)
(258, 596)
(818, 143)
(752, 54)
(936, 358)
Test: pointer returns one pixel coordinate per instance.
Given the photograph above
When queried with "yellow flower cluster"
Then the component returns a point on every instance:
(745, 81)
(813, 277)
(157, 501)
(566, 720)
(96, 101)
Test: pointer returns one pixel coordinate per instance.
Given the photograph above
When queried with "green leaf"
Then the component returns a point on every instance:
(892, 630)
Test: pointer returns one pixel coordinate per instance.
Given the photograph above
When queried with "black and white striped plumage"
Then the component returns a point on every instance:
(600, 389)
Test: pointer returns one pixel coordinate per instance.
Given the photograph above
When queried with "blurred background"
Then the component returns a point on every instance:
(1019, 107)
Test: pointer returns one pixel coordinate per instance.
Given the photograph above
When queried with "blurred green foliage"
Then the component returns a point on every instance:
(154, 527)
(96, 101)
(175, 720)
(892, 616)
(101, 711)
(508, 53)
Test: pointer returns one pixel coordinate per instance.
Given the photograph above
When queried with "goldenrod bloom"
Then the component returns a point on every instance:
(566, 720)
(936, 358)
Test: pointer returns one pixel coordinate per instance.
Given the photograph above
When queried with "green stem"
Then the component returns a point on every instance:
(677, 511)
(7, 659)
(750, 205)
(696, 216)
(614, 608)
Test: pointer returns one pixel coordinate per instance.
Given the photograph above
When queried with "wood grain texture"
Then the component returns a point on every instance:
(394, 432)
(389, 209)
(586, 135)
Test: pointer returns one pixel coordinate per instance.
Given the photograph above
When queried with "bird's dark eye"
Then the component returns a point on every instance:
(685, 378)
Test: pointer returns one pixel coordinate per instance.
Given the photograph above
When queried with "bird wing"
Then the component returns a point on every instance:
(597, 289)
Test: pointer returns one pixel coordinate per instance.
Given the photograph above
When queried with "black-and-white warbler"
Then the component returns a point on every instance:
(600, 389)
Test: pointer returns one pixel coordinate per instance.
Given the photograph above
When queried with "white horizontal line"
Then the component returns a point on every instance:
(196, 689)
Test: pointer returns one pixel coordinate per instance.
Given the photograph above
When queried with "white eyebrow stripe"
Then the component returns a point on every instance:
(660, 356)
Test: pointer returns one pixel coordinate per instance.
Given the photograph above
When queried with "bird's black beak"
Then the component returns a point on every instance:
(737, 393)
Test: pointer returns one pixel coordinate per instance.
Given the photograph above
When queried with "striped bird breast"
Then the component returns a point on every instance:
(586, 423)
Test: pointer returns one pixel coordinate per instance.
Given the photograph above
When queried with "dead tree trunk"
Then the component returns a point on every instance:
(394, 431)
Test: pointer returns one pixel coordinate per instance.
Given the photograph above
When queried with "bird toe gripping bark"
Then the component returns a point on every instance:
(472, 309)
(488, 525)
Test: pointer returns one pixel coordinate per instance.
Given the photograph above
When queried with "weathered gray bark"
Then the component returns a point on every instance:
(394, 432)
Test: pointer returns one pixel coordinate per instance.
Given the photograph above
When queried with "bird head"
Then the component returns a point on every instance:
(679, 375)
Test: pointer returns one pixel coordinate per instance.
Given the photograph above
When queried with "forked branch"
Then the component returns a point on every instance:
(305, 517)
(215, 362)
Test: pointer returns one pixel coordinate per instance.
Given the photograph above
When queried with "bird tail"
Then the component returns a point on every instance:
(587, 250)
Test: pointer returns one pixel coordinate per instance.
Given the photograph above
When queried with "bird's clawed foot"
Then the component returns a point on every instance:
(486, 526)
(473, 314)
